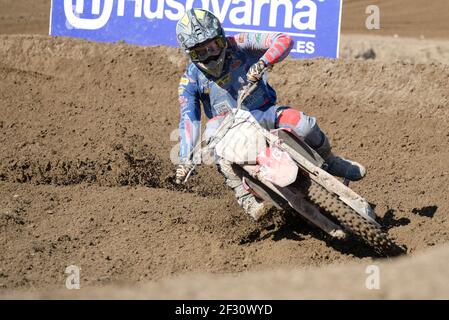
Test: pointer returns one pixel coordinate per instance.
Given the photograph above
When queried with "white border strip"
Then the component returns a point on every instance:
(339, 29)
(303, 35)
(51, 17)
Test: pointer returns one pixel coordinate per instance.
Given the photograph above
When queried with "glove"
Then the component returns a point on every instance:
(255, 72)
(182, 171)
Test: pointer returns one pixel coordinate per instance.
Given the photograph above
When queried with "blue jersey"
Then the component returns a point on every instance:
(218, 95)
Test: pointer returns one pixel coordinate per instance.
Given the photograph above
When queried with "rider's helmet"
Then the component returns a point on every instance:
(201, 36)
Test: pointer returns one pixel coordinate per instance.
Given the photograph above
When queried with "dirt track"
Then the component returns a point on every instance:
(404, 18)
(420, 277)
(85, 175)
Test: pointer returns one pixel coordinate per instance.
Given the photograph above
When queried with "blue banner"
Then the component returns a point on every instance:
(313, 24)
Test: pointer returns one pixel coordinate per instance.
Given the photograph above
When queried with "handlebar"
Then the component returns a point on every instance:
(248, 89)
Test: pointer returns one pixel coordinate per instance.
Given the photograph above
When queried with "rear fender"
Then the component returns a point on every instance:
(291, 138)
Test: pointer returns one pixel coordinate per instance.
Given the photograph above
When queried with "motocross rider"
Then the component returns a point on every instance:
(218, 66)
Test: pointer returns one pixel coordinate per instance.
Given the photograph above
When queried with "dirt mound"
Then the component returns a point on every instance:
(419, 277)
(428, 19)
(23, 16)
(86, 176)
(390, 49)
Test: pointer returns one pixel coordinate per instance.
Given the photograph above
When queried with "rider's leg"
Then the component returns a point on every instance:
(233, 177)
(307, 127)
(255, 208)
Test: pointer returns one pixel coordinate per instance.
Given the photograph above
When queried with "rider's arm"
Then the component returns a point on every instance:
(190, 120)
(269, 47)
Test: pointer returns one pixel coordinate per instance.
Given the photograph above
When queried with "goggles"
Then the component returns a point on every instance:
(210, 49)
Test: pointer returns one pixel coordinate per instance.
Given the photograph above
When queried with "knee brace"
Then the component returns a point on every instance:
(305, 126)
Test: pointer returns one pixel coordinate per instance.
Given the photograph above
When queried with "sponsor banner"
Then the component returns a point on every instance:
(314, 24)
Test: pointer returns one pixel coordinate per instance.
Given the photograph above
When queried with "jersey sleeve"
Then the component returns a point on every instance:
(190, 119)
(269, 47)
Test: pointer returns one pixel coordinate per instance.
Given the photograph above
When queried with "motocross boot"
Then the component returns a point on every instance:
(255, 208)
(339, 166)
(248, 202)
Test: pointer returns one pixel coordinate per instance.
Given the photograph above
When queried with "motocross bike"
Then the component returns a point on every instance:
(279, 167)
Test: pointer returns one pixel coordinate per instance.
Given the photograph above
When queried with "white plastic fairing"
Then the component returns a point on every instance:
(242, 143)
(277, 167)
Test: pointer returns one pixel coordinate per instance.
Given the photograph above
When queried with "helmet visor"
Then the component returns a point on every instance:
(209, 49)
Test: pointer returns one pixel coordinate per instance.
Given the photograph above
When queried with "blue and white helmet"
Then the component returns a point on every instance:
(197, 28)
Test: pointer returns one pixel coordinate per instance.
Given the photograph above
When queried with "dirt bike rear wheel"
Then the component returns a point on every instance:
(351, 220)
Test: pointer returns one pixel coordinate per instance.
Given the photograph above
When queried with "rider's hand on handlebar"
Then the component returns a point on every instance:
(182, 171)
(255, 71)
